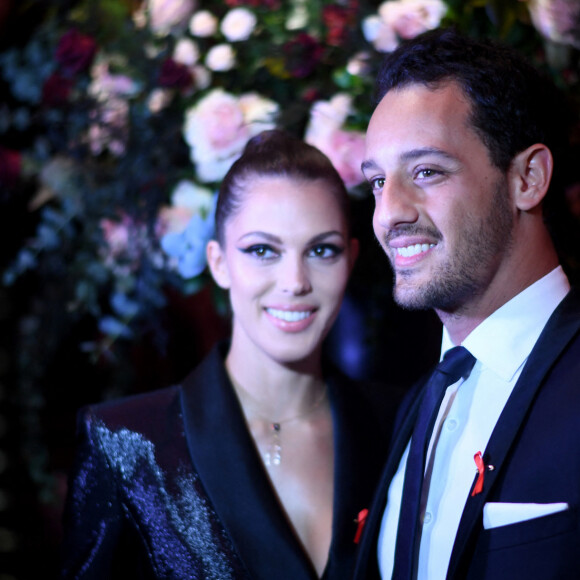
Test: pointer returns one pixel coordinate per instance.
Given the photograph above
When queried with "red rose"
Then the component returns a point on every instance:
(10, 167)
(338, 20)
(302, 55)
(75, 52)
(56, 90)
(174, 75)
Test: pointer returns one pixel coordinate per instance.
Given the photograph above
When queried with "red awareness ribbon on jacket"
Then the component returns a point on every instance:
(360, 520)
(478, 488)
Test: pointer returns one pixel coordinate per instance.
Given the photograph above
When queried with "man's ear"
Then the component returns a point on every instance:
(216, 261)
(529, 175)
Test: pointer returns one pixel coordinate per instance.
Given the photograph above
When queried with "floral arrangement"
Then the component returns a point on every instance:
(138, 112)
(124, 115)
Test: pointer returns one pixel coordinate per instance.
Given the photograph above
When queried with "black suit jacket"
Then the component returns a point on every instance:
(535, 451)
(169, 485)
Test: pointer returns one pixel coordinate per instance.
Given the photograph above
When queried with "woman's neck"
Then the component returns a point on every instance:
(273, 390)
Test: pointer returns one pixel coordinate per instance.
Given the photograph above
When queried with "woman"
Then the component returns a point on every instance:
(258, 465)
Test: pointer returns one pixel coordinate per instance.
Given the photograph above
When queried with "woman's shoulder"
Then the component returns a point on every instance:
(133, 411)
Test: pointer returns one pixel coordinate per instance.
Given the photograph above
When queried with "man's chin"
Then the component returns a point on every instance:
(410, 298)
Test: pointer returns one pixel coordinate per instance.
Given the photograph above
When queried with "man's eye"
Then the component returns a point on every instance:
(427, 173)
(377, 183)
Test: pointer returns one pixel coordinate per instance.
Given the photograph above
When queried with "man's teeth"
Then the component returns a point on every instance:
(288, 315)
(414, 250)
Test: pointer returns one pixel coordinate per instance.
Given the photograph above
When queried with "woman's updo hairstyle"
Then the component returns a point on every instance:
(275, 153)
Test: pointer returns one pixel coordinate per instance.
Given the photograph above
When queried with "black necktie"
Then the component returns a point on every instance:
(457, 363)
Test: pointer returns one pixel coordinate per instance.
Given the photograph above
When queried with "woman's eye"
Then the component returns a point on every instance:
(261, 251)
(325, 251)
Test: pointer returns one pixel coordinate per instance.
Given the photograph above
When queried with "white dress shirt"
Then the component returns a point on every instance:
(467, 416)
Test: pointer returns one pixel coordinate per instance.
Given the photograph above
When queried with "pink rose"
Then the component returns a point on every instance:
(75, 52)
(109, 130)
(218, 127)
(105, 85)
(345, 149)
(116, 235)
(166, 16)
(557, 20)
(402, 19)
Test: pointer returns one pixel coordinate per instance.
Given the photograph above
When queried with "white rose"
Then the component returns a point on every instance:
(380, 35)
(358, 65)
(298, 17)
(220, 58)
(203, 24)
(186, 52)
(238, 24)
(327, 116)
(258, 111)
(189, 195)
(159, 99)
(201, 76)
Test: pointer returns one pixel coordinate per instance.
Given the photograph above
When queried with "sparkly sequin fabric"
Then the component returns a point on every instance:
(131, 494)
(169, 485)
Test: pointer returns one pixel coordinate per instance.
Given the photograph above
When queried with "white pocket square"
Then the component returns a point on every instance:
(497, 514)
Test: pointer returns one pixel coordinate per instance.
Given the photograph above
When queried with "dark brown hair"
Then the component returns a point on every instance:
(275, 153)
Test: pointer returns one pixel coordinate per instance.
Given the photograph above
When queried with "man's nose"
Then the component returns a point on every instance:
(395, 205)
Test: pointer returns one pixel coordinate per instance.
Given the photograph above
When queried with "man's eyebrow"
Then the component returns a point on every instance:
(370, 164)
(411, 156)
(423, 151)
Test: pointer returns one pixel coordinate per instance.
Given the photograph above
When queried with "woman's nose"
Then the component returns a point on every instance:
(296, 279)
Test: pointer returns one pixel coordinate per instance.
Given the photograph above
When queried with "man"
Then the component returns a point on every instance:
(460, 156)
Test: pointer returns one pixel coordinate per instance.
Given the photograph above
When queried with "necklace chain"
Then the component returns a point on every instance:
(273, 454)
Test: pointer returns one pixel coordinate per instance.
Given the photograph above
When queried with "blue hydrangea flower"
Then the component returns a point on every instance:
(187, 248)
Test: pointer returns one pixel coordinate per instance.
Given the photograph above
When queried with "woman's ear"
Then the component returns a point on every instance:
(530, 174)
(216, 261)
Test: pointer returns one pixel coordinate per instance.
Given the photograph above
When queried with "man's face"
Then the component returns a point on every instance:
(443, 211)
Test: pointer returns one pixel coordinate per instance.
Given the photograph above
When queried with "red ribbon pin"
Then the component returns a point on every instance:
(481, 470)
(360, 520)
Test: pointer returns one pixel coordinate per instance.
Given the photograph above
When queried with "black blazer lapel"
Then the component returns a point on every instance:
(561, 328)
(367, 567)
(360, 442)
(225, 457)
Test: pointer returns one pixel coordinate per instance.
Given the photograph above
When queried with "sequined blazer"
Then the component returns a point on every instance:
(168, 484)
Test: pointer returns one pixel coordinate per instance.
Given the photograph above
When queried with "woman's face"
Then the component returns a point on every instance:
(286, 261)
